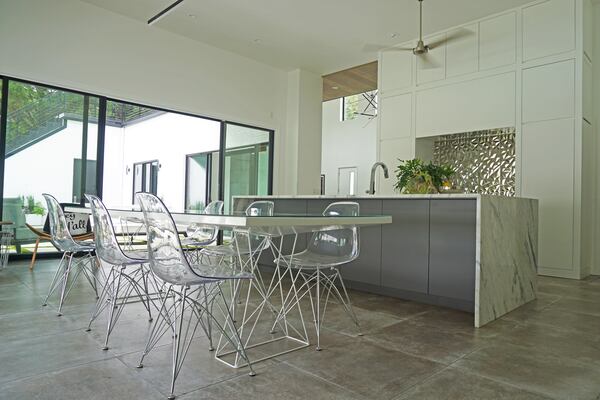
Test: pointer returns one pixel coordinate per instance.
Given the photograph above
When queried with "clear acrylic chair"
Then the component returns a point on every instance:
(242, 242)
(319, 265)
(197, 236)
(192, 293)
(129, 278)
(77, 256)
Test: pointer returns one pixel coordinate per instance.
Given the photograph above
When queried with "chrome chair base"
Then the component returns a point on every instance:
(182, 310)
(124, 287)
(68, 263)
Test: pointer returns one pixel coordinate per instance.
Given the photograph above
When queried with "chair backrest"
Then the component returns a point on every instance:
(107, 246)
(340, 243)
(206, 234)
(257, 209)
(59, 230)
(214, 208)
(167, 259)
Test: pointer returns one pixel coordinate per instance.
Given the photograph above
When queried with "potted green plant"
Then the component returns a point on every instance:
(416, 177)
(34, 211)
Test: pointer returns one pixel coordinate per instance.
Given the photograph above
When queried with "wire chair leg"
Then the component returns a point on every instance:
(208, 321)
(317, 316)
(103, 299)
(55, 279)
(111, 312)
(65, 281)
(346, 302)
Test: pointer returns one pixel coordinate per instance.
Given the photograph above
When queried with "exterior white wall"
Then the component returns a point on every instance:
(167, 138)
(75, 45)
(350, 143)
(522, 68)
(47, 166)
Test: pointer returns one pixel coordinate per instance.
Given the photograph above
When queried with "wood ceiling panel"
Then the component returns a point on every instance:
(360, 79)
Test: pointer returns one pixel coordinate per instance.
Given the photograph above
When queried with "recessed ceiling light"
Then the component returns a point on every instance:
(335, 87)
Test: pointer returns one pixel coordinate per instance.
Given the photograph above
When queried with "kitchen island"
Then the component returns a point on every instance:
(471, 252)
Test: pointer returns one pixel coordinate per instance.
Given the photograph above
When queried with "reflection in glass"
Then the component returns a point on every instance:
(51, 142)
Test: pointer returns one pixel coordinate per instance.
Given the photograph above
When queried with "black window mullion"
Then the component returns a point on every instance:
(100, 146)
(3, 123)
(271, 162)
(84, 145)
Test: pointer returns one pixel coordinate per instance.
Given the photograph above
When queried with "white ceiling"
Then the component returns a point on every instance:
(319, 35)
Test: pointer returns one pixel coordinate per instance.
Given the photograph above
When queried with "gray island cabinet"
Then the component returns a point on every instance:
(474, 253)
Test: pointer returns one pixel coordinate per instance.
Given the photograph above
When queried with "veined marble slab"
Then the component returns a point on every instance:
(506, 264)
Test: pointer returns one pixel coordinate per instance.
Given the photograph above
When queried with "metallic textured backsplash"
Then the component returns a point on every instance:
(484, 160)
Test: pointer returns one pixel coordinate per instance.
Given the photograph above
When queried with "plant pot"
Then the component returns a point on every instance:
(34, 219)
(420, 185)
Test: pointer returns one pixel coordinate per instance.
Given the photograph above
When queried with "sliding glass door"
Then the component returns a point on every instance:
(69, 144)
(247, 163)
(50, 147)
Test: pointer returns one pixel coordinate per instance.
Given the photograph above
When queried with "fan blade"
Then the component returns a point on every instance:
(374, 48)
(454, 36)
(427, 62)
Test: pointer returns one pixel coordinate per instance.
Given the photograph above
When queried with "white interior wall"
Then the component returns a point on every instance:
(595, 50)
(304, 129)
(75, 45)
(350, 143)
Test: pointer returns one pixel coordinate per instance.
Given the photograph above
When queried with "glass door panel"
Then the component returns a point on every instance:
(246, 164)
(49, 135)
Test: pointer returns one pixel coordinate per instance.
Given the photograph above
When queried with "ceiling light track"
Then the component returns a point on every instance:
(164, 12)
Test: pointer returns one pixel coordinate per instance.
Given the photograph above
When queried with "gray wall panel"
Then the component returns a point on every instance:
(452, 246)
(405, 245)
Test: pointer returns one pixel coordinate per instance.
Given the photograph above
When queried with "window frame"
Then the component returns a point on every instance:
(6, 79)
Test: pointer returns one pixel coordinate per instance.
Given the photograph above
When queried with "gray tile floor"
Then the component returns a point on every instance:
(548, 349)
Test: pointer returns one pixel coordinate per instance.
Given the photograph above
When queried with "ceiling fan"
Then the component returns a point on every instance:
(422, 49)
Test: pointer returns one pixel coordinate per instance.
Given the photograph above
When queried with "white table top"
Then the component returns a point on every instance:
(276, 225)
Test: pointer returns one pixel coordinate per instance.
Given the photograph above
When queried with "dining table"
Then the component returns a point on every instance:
(271, 312)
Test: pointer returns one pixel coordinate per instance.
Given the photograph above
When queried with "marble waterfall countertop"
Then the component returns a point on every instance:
(505, 250)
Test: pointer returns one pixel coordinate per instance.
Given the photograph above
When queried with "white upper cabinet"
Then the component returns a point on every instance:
(431, 66)
(498, 41)
(548, 28)
(461, 53)
(549, 92)
(395, 118)
(396, 70)
(484, 103)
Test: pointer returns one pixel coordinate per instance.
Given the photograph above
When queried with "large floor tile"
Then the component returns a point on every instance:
(274, 383)
(365, 368)
(425, 341)
(31, 324)
(200, 369)
(453, 384)
(536, 371)
(101, 380)
(32, 356)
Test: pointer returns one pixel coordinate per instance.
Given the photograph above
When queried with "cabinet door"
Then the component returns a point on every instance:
(452, 246)
(367, 267)
(405, 245)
